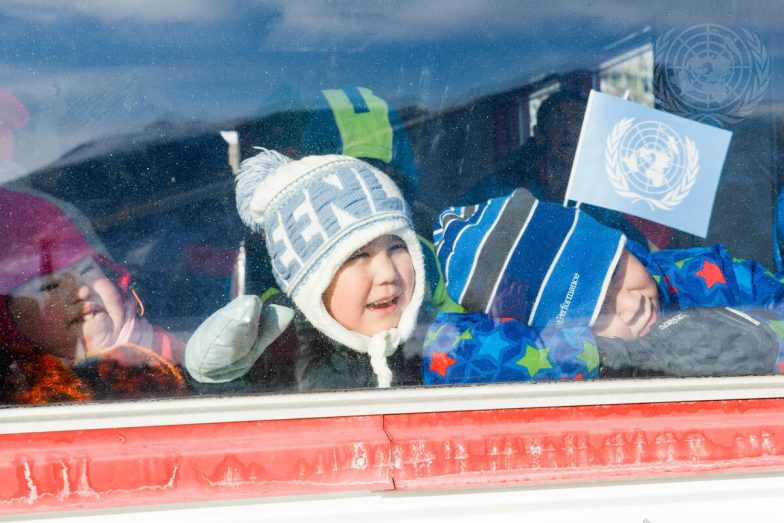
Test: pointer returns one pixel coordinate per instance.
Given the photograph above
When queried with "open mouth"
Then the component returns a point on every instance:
(87, 313)
(383, 304)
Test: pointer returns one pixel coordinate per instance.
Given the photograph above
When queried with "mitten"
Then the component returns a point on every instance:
(699, 341)
(227, 344)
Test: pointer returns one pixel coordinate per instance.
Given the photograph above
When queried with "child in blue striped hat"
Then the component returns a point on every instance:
(556, 295)
(514, 257)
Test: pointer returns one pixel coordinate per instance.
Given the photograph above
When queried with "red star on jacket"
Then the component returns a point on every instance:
(440, 362)
(711, 273)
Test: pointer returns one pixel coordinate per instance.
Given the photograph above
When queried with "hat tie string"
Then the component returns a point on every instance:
(382, 345)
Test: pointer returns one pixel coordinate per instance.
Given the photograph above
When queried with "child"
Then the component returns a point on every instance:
(64, 320)
(557, 295)
(343, 249)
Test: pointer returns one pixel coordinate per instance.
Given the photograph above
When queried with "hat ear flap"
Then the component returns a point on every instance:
(252, 172)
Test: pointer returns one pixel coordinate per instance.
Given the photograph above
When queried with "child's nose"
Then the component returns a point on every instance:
(76, 287)
(83, 292)
(386, 270)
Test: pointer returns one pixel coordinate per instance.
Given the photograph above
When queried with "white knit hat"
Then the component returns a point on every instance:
(316, 212)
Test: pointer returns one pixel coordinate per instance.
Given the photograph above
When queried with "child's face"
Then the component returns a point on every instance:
(71, 312)
(373, 287)
(631, 306)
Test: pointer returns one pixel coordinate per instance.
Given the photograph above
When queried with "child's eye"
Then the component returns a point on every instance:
(357, 255)
(87, 269)
(398, 246)
(49, 287)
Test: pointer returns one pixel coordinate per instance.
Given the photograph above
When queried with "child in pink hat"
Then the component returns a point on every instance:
(62, 294)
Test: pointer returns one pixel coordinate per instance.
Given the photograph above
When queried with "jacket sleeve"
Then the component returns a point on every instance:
(476, 348)
(756, 284)
(710, 277)
(699, 341)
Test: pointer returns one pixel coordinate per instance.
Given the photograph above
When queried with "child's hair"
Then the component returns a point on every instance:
(315, 213)
(517, 257)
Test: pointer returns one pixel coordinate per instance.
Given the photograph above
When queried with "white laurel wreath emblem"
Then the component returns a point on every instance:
(683, 99)
(613, 167)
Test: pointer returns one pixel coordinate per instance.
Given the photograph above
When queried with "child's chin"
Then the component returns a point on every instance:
(381, 326)
(97, 340)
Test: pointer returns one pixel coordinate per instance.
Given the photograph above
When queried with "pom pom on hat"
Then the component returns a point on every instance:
(517, 257)
(315, 213)
(254, 171)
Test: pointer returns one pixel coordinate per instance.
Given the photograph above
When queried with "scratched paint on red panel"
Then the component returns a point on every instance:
(459, 449)
(134, 466)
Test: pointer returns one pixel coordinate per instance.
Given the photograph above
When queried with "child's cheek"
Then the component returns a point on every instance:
(612, 326)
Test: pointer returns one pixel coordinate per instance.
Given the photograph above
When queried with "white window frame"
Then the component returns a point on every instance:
(221, 409)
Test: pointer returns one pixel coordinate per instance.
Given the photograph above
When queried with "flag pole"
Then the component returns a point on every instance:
(579, 143)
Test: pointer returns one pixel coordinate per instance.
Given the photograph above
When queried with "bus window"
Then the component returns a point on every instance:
(129, 273)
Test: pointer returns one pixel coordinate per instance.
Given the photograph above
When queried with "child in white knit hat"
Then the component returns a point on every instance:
(343, 249)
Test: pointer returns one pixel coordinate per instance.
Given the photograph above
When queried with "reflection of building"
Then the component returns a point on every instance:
(535, 100)
(630, 72)
(13, 117)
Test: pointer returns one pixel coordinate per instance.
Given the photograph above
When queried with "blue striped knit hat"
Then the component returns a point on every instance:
(517, 257)
(315, 213)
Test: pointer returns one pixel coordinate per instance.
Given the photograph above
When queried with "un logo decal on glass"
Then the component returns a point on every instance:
(710, 73)
(648, 161)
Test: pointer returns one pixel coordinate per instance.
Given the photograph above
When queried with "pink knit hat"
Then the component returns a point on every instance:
(40, 235)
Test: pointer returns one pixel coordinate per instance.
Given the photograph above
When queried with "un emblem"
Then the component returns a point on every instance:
(710, 73)
(648, 161)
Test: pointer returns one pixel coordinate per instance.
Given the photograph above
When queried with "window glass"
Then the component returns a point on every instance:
(123, 129)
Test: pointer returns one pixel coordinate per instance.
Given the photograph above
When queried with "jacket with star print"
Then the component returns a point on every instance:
(709, 277)
(476, 348)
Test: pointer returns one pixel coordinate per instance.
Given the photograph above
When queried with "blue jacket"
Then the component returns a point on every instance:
(708, 277)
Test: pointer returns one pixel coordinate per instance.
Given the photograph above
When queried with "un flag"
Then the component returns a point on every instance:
(640, 161)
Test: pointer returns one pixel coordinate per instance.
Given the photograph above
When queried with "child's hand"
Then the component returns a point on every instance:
(699, 341)
(227, 344)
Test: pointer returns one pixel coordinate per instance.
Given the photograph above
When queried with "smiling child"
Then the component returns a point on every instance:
(70, 313)
(343, 249)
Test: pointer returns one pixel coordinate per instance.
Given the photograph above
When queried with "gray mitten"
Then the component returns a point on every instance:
(699, 341)
(227, 344)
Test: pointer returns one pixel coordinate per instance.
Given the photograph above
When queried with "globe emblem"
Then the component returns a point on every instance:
(711, 72)
(652, 158)
(648, 161)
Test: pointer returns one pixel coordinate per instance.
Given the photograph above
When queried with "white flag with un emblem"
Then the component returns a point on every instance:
(652, 164)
